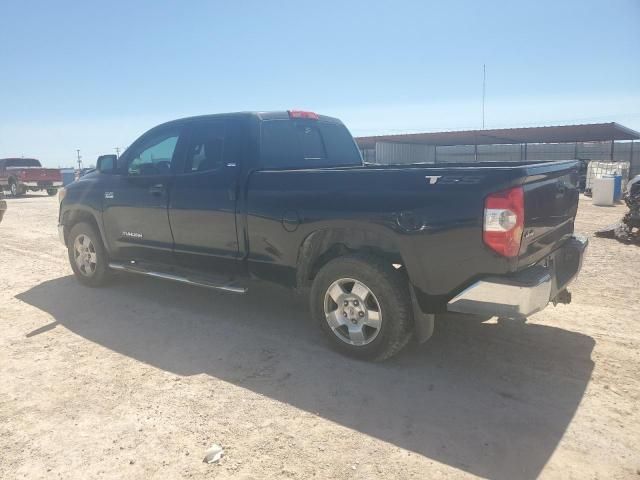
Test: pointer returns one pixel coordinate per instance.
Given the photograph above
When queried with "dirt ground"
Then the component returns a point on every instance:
(138, 379)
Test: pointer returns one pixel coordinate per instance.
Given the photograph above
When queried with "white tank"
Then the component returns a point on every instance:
(602, 191)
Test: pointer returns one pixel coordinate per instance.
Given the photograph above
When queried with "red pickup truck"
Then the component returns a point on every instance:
(20, 175)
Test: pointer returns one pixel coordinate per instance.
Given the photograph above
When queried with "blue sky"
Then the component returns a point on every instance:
(95, 75)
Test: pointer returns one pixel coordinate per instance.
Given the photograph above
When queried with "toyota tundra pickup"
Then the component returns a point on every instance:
(20, 175)
(220, 200)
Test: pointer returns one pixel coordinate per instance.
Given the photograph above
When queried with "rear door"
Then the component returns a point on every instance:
(136, 200)
(202, 208)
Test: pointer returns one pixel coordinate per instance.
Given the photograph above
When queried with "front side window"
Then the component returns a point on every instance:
(154, 155)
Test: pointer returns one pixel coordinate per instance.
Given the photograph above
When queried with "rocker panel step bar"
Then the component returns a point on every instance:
(134, 268)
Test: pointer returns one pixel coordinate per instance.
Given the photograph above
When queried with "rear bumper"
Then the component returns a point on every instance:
(524, 292)
(42, 184)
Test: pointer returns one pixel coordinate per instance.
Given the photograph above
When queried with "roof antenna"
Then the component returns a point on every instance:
(484, 89)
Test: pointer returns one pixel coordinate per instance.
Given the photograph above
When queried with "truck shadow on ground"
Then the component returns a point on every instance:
(493, 399)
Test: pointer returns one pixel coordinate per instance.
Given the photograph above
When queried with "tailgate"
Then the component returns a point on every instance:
(551, 203)
(41, 175)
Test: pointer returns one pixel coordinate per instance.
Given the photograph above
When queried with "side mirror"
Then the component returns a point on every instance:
(107, 163)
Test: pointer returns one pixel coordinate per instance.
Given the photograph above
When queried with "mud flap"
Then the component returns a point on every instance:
(423, 323)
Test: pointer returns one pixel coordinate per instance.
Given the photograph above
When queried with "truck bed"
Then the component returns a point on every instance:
(431, 214)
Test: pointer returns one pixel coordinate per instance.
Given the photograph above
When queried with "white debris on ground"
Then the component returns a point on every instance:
(214, 454)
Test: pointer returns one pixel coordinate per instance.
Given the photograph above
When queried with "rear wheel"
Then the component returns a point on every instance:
(16, 191)
(363, 306)
(87, 255)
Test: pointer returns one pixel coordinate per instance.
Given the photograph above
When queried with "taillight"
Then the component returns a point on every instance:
(504, 221)
(302, 114)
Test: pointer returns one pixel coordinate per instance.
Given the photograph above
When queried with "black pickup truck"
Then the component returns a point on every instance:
(220, 200)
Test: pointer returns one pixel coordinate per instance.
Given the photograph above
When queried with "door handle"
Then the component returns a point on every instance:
(157, 190)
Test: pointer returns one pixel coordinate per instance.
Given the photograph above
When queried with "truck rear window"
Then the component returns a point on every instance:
(23, 162)
(307, 144)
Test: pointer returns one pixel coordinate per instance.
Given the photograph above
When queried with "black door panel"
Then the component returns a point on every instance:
(135, 218)
(202, 209)
(135, 208)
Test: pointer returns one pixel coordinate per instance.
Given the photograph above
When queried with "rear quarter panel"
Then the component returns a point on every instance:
(436, 228)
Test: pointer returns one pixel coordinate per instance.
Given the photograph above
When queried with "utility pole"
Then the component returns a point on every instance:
(79, 159)
(484, 89)
(117, 149)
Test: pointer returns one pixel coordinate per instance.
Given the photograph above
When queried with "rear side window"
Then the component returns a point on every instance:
(306, 144)
(213, 145)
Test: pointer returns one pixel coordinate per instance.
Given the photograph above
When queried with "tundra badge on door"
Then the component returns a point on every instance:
(431, 179)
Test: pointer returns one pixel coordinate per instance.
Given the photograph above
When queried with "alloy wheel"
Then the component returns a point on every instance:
(84, 254)
(352, 311)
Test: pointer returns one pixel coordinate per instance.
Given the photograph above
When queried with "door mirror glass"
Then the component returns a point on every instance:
(106, 163)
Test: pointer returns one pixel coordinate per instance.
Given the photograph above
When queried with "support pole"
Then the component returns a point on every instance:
(612, 144)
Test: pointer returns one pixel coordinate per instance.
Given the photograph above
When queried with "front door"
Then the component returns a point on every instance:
(135, 211)
(202, 208)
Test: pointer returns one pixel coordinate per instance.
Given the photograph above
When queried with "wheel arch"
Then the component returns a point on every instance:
(324, 245)
(70, 218)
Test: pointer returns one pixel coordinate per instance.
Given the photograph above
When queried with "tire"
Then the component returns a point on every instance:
(339, 284)
(16, 191)
(92, 269)
(52, 191)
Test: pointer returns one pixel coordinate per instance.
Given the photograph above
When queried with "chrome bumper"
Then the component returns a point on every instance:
(61, 234)
(39, 184)
(525, 292)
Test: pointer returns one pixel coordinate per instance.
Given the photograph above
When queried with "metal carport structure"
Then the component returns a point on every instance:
(586, 133)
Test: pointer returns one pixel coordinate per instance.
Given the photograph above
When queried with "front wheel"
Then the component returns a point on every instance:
(363, 306)
(87, 255)
(52, 191)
